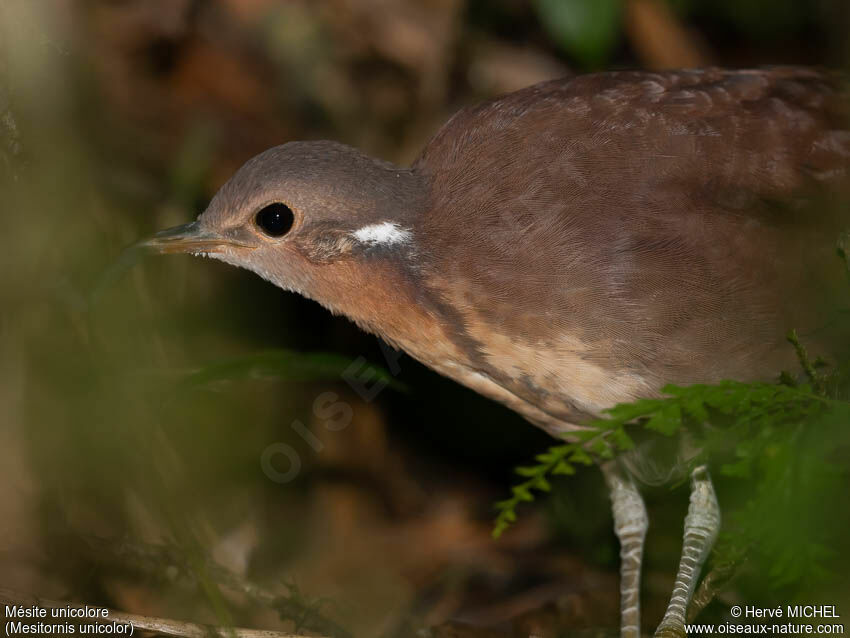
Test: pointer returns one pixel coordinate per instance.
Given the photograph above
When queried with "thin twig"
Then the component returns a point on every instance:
(806, 363)
(164, 626)
(714, 581)
(843, 250)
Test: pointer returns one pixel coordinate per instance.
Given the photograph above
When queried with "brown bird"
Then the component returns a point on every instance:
(574, 245)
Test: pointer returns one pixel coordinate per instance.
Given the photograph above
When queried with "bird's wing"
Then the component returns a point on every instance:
(599, 236)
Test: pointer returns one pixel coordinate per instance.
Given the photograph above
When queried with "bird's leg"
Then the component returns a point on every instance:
(701, 526)
(630, 525)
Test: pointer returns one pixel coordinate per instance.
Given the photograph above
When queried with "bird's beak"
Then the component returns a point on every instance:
(191, 238)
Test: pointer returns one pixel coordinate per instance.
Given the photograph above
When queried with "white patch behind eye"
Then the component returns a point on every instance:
(384, 234)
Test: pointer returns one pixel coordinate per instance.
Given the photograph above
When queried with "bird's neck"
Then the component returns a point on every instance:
(379, 294)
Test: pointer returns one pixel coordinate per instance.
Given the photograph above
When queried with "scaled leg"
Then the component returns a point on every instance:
(701, 526)
(630, 525)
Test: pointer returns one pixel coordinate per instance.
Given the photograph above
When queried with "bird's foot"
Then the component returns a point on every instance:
(701, 527)
(670, 631)
(630, 525)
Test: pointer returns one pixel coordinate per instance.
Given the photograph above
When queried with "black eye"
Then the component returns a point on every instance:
(275, 220)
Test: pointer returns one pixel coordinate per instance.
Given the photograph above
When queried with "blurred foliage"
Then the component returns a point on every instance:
(588, 31)
(591, 33)
(283, 365)
(756, 18)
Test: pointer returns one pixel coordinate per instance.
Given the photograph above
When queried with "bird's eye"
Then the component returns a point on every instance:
(275, 220)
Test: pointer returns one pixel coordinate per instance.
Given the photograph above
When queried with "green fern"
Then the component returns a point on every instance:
(780, 437)
(753, 411)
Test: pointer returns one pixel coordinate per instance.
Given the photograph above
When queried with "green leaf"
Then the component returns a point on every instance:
(623, 413)
(602, 449)
(284, 365)
(530, 470)
(667, 420)
(546, 457)
(541, 484)
(563, 468)
(694, 407)
(622, 440)
(590, 432)
(586, 29)
(580, 455)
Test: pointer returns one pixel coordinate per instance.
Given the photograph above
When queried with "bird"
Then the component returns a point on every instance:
(574, 245)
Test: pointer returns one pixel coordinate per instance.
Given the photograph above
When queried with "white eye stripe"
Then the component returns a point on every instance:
(384, 234)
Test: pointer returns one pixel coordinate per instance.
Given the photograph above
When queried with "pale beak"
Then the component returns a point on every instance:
(192, 238)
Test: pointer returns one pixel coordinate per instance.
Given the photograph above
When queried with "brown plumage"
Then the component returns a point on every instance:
(578, 243)
(619, 231)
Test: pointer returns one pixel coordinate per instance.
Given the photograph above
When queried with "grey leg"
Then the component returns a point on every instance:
(630, 525)
(701, 526)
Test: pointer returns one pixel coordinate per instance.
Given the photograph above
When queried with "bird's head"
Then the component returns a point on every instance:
(318, 218)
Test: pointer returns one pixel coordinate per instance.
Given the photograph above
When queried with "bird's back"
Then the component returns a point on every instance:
(591, 239)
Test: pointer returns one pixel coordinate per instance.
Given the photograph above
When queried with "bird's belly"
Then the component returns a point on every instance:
(564, 377)
(443, 355)
(556, 387)
(558, 424)
(558, 382)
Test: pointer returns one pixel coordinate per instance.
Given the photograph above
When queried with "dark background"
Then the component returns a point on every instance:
(128, 482)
